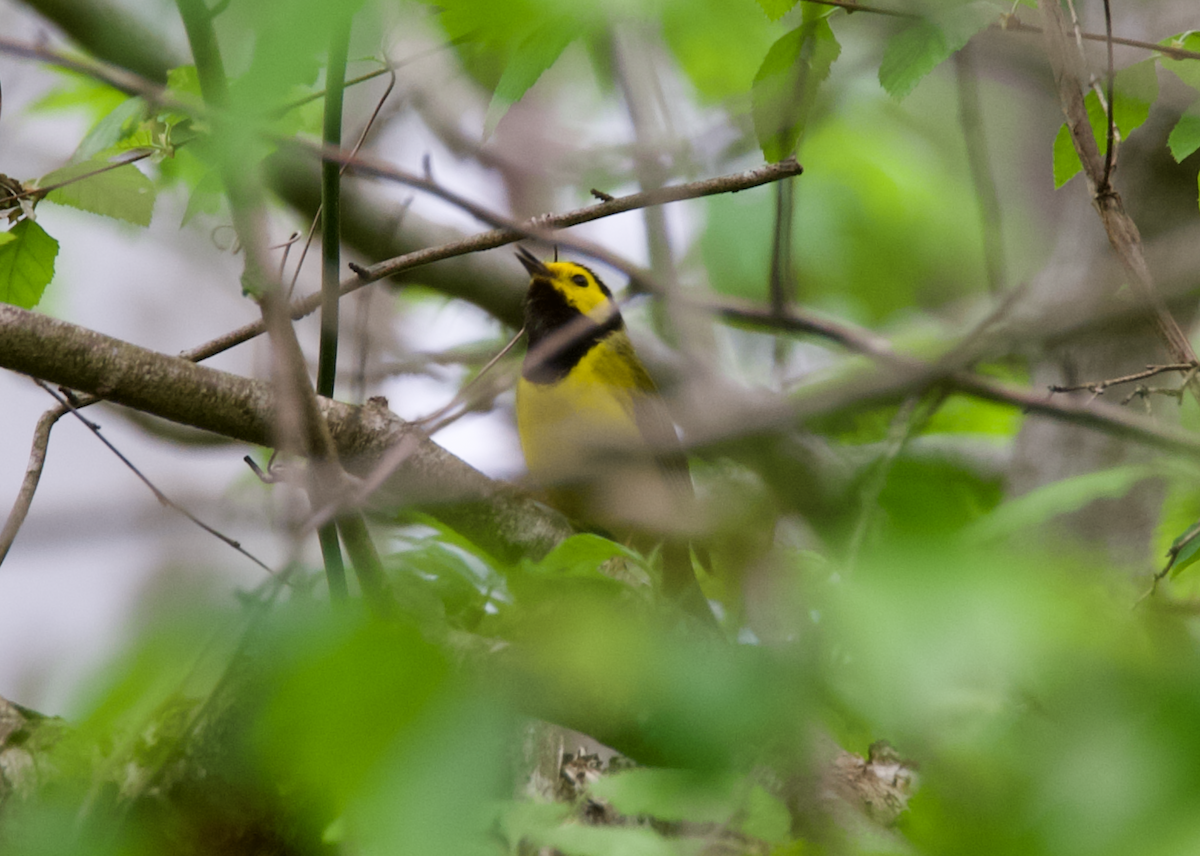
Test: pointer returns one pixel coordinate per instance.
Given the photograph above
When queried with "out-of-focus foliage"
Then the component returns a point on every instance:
(1042, 708)
(875, 577)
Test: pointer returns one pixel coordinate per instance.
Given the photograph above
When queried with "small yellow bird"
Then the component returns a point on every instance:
(593, 426)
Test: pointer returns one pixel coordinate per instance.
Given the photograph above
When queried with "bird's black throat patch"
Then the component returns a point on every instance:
(548, 313)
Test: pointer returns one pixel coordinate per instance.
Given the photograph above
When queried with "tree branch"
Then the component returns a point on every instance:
(497, 516)
(1123, 234)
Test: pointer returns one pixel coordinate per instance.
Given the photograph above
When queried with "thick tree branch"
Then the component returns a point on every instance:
(497, 516)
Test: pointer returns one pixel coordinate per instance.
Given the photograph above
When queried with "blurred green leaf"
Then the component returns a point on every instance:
(123, 192)
(1023, 514)
(351, 689)
(1135, 89)
(291, 38)
(682, 795)
(1185, 136)
(112, 130)
(532, 56)
(1180, 511)
(1185, 549)
(1187, 70)
(670, 794)
(579, 840)
(78, 91)
(27, 257)
(583, 554)
(183, 82)
(718, 43)
(931, 497)
(885, 218)
(776, 9)
(963, 414)
(438, 581)
(435, 786)
(786, 84)
(925, 43)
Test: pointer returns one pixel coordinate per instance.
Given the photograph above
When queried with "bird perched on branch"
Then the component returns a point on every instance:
(593, 426)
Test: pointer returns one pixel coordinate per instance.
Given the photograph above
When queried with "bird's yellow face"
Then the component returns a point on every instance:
(578, 286)
(561, 291)
(568, 311)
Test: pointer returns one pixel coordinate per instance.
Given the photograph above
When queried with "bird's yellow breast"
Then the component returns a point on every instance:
(566, 424)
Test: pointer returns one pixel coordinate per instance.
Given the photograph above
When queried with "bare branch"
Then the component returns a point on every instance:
(1099, 386)
(538, 227)
(65, 403)
(33, 474)
(495, 515)
(1122, 233)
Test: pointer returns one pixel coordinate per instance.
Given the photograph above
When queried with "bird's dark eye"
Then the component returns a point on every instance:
(580, 280)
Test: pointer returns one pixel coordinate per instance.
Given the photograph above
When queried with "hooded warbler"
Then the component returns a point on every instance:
(593, 426)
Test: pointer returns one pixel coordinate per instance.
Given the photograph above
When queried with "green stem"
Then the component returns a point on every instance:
(367, 566)
(197, 21)
(335, 76)
(331, 210)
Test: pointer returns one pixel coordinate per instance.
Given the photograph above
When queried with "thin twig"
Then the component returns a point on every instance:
(1122, 232)
(434, 422)
(540, 227)
(358, 144)
(1099, 386)
(1110, 149)
(132, 156)
(33, 474)
(1012, 23)
(65, 402)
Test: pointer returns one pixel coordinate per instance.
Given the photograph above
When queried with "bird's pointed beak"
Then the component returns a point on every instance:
(532, 263)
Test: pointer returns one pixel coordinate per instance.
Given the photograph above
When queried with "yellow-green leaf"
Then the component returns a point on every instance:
(122, 192)
(924, 44)
(27, 256)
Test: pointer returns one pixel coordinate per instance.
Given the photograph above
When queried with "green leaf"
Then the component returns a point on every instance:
(1061, 497)
(1185, 136)
(1187, 70)
(1185, 549)
(184, 82)
(122, 193)
(718, 43)
(583, 554)
(764, 816)
(26, 264)
(112, 130)
(1065, 158)
(776, 9)
(540, 50)
(206, 197)
(786, 84)
(349, 690)
(920, 47)
(1135, 89)
(671, 795)
(81, 92)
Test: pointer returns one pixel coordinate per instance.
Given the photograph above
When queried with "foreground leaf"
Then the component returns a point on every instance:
(1134, 89)
(123, 192)
(786, 84)
(926, 43)
(27, 256)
